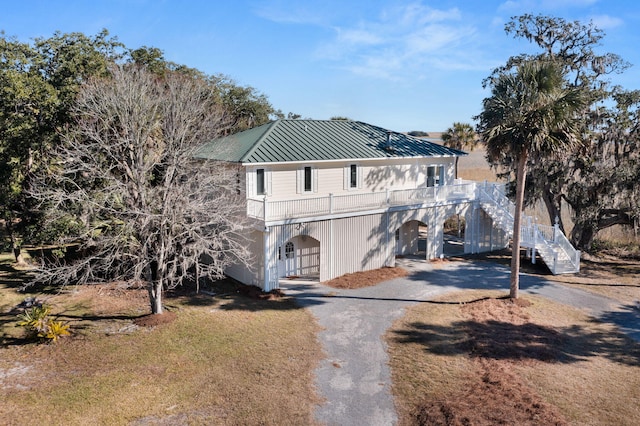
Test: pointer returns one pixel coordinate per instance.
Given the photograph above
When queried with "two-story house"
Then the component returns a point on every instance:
(330, 197)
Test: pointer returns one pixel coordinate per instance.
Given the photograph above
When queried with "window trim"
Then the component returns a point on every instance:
(261, 189)
(301, 186)
(351, 184)
(438, 175)
(252, 182)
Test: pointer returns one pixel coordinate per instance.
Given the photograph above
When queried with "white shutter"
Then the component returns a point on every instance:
(267, 182)
(314, 178)
(346, 174)
(359, 174)
(251, 182)
(300, 180)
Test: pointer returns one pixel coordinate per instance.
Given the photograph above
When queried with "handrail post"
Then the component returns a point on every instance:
(331, 203)
(387, 200)
(264, 208)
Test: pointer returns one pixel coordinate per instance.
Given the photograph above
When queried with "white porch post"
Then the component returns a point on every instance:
(264, 208)
(476, 229)
(535, 240)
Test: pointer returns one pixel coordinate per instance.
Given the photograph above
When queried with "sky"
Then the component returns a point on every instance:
(401, 65)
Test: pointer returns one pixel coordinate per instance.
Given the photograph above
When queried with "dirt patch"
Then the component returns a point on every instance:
(366, 278)
(154, 320)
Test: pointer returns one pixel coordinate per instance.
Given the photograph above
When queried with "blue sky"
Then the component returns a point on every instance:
(402, 65)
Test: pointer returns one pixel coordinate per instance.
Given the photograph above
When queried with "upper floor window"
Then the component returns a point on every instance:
(260, 182)
(435, 176)
(307, 179)
(352, 178)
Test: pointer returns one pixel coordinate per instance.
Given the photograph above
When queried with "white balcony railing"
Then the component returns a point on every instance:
(269, 210)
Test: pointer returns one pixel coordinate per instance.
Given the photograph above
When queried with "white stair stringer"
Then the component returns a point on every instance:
(554, 248)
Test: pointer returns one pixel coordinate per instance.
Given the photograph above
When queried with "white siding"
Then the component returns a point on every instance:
(331, 248)
(374, 176)
(254, 273)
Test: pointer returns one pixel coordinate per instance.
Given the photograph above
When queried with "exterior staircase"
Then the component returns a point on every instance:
(553, 246)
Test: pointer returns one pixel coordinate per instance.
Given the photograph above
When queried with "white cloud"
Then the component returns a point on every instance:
(399, 42)
(356, 37)
(605, 21)
(527, 6)
(287, 12)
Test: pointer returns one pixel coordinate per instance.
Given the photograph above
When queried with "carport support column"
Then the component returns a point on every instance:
(267, 260)
(436, 235)
(476, 229)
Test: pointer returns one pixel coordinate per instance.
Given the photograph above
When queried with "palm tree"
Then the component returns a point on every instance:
(460, 136)
(531, 113)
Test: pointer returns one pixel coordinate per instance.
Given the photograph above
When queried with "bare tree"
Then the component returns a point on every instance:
(145, 209)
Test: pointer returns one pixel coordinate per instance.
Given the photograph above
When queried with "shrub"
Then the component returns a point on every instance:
(39, 324)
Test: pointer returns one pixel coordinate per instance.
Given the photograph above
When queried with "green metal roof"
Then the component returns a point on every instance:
(316, 140)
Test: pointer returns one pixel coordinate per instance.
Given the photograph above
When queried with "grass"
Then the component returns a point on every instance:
(225, 359)
(488, 361)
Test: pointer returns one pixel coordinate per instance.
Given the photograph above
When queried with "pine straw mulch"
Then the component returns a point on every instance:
(366, 278)
(494, 393)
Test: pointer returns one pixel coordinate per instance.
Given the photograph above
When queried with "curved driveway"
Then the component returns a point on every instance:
(354, 378)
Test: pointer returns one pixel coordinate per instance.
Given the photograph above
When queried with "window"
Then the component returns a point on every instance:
(260, 184)
(353, 176)
(307, 179)
(289, 250)
(435, 176)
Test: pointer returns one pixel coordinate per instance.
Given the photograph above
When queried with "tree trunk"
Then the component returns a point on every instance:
(17, 253)
(554, 208)
(514, 286)
(154, 283)
(15, 245)
(582, 236)
(155, 296)
(455, 176)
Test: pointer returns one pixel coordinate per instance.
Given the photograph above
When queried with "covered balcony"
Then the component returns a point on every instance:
(335, 205)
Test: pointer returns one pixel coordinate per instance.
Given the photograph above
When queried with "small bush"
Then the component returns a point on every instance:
(40, 325)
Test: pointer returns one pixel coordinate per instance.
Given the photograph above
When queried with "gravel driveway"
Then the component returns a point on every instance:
(354, 378)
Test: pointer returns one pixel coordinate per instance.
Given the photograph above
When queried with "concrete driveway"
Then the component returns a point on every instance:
(354, 378)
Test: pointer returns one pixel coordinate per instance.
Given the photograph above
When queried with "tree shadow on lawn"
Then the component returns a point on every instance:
(232, 295)
(500, 340)
(627, 318)
(20, 280)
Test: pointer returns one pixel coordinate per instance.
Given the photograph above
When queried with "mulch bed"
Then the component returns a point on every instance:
(256, 293)
(499, 336)
(366, 278)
